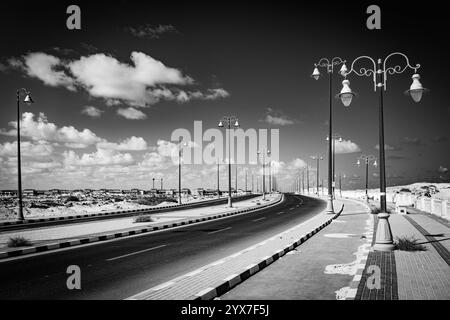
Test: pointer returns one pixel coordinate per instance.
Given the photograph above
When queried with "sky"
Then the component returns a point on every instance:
(109, 96)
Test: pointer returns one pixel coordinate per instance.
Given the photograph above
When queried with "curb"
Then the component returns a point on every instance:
(232, 281)
(109, 213)
(87, 240)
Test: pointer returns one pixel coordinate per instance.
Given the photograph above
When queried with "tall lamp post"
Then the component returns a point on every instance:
(307, 178)
(329, 65)
(180, 155)
(218, 179)
(153, 184)
(27, 100)
(264, 170)
(379, 73)
(317, 158)
(228, 122)
(337, 137)
(367, 160)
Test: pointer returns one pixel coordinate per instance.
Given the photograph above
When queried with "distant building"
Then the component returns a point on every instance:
(29, 192)
(8, 193)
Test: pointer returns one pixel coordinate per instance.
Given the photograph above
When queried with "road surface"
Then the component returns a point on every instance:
(121, 268)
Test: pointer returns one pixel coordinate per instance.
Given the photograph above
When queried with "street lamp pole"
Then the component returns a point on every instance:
(367, 160)
(153, 184)
(226, 122)
(307, 178)
(329, 65)
(379, 73)
(318, 158)
(218, 179)
(26, 100)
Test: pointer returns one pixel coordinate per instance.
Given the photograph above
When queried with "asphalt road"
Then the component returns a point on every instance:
(124, 267)
(37, 224)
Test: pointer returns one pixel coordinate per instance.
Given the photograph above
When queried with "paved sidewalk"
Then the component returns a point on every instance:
(321, 268)
(42, 236)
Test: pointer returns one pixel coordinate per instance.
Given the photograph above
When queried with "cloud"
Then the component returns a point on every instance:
(27, 148)
(277, 117)
(143, 82)
(154, 161)
(412, 141)
(388, 147)
(346, 146)
(298, 164)
(130, 144)
(131, 113)
(98, 158)
(442, 169)
(44, 67)
(92, 111)
(151, 32)
(42, 130)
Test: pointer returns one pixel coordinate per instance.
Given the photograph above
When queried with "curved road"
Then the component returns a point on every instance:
(121, 268)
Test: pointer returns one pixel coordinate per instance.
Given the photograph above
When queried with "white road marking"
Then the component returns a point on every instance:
(219, 230)
(133, 253)
(259, 219)
(280, 212)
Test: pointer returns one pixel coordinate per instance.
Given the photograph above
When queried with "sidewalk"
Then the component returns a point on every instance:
(321, 268)
(338, 263)
(50, 235)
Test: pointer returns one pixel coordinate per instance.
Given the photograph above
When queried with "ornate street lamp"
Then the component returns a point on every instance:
(26, 100)
(228, 122)
(263, 170)
(318, 158)
(367, 160)
(379, 73)
(329, 65)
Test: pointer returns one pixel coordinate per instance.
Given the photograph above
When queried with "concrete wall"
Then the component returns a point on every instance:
(437, 207)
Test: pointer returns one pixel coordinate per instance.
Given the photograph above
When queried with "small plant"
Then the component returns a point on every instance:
(143, 218)
(18, 241)
(409, 244)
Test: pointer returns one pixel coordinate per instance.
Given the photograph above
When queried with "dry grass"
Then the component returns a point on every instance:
(18, 241)
(409, 244)
(143, 218)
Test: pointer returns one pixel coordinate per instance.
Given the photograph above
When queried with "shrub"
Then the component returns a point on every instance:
(409, 244)
(72, 198)
(143, 218)
(18, 241)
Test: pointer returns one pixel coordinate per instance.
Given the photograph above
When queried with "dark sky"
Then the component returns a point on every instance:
(262, 53)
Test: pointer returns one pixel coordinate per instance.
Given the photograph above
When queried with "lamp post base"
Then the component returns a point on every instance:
(230, 205)
(384, 241)
(330, 208)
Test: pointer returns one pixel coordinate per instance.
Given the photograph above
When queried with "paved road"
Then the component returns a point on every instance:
(199, 204)
(121, 268)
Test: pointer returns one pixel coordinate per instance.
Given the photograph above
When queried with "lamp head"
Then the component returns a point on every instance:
(358, 163)
(28, 99)
(375, 164)
(220, 124)
(346, 95)
(316, 74)
(236, 123)
(416, 89)
(343, 70)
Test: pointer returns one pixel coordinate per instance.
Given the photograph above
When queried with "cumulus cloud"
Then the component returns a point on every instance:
(277, 117)
(45, 67)
(152, 32)
(27, 148)
(131, 113)
(298, 164)
(40, 129)
(143, 82)
(91, 111)
(154, 161)
(101, 157)
(130, 144)
(346, 146)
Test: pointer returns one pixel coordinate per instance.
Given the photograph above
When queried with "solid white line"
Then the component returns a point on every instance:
(280, 212)
(219, 230)
(133, 253)
(259, 219)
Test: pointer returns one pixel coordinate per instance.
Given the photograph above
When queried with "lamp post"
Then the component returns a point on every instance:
(153, 184)
(218, 179)
(180, 155)
(339, 138)
(379, 73)
(264, 170)
(161, 184)
(318, 158)
(367, 160)
(227, 122)
(27, 100)
(329, 65)
(307, 178)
